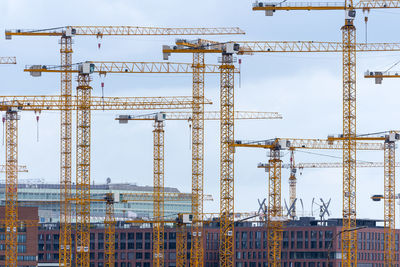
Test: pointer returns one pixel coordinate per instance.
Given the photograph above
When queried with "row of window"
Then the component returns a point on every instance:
(21, 238)
(20, 248)
(20, 258)
(118, 236)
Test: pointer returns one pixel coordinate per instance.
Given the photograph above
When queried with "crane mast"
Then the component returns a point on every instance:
(11, 187)
(274, 223)
(390, 202)
(65, 249)
(109, 223)
(349, 238)
(196, 251)
(83, 134)
(158, 197)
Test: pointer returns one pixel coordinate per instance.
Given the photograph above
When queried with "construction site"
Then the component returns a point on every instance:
(152, 136)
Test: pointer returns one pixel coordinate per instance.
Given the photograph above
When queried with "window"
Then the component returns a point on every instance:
(172, 235)
(139, 255)
(139, 245)
(131, 236)
(100, 236)
(131, 245)
(100, 245)
(147, 255)
(299, 235)
(21, 248)
(139, 236)
(244, 236)
(21, 238)
(100, 255)
(122, 245)
(147, 236)
(123, 236)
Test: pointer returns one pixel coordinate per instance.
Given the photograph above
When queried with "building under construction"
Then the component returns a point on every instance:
(306, 242)
(131, 201)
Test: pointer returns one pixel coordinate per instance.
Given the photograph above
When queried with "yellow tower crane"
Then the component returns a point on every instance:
(349, 239)
(67, 34)
(275, 216)
(13, 104)
(105, 67)
(159, 118)
(8, 60)
(227, 50)
(293, 167)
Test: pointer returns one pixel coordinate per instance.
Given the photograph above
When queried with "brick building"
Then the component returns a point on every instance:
(306, 243)
(27, 237)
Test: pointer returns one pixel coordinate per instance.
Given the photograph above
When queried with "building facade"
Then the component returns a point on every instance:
(306, 243)
(126, 206)
(27, 237)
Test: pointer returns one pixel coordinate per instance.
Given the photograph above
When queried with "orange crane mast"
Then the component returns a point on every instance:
(349, 239)
(227, 104)
(12, 105)
(66, 34)
(275, 216)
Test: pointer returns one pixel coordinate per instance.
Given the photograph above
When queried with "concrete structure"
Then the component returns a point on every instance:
(46, 197)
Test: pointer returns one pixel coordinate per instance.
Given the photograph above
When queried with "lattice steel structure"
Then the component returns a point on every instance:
(390, 204)
(349, 238)
(181, 245)
(11, 188)
(274, 224)
(227, 162)
(158, 196)
(83, 122)
(196, 251)
(109, 222)
(65, 249)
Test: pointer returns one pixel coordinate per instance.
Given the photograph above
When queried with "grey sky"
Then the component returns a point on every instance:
(305, 88)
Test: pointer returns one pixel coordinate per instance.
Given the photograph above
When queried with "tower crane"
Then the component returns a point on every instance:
(104, 67)
(228, 49)
(159, 118)
(275, 216)
(67, 34)
(13, 104)
(8, 60)
(349, 239)
(306, 165)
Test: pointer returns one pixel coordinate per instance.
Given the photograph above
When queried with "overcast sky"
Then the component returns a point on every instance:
(305, 88)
